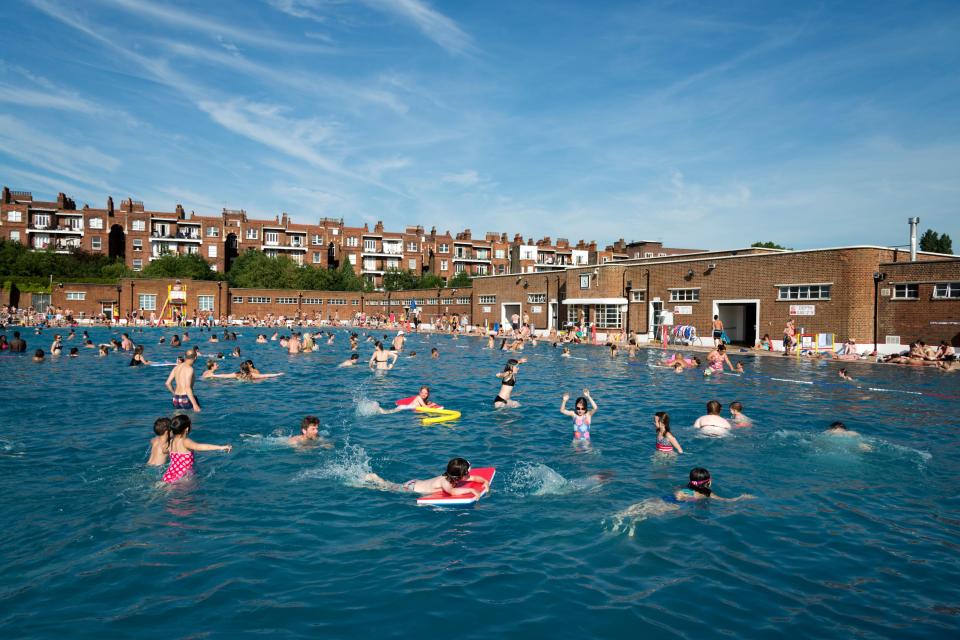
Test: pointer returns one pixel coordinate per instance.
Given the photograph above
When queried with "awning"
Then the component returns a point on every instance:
(595, 301)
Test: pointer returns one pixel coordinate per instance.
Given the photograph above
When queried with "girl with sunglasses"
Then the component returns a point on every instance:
(581, 415)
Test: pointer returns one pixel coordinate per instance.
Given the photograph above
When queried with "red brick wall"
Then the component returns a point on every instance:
(925, 318)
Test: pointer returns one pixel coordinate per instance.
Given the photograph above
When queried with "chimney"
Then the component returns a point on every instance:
(913, 222)
(6, 195)
(284, 220)
(378, 228)
(61, 200)
(109, 205)
(180, 212)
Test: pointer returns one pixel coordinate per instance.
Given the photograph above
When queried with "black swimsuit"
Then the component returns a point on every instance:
(506, 382)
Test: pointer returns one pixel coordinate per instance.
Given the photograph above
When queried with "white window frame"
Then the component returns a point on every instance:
(691, 294)
(316, 240)
(806, 291)
(353, 241)
(444, 265)
(412, 246)
(412, 264)
(286, 301)
(252, 233)
(205, 303)
(96, 243)
(237, 299)
(258, 300)
(609, 316)
(137, 264)
(211, 251)
(137, 244)
(213, 232)
(487, 299)
(76, 295)
(317, 257)
(638, 295)
(15, 236)
(14, 216)
(499, 254)
(906, 291)
(147, 301)
(138, 225)
(946, 290)
(443, 248)
(352, 258)
(584, 280)
(95, 223)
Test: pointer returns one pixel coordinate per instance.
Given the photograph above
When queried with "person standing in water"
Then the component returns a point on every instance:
(382, 360)
(581, 415)
(508, 379)
(182, 377)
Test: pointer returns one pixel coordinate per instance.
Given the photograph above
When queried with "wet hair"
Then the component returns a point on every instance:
(581, 402)
(721, 347)
(354, 356)
(246, 372)
(308, 421)
(457, 470)
(38, 353)
(179, 426)
(699, 478)
(736, 406)
(191, 354)
(838, 425)
(664, 418)
(716, 317)
(434, 350)
(427, 388)
(714, 407)
(697, 360)
(377, 344)
(211, 364)
(138, 350)
(74, 351)
(161, 426)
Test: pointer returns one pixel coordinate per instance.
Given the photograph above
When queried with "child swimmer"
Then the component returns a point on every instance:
(458, 470)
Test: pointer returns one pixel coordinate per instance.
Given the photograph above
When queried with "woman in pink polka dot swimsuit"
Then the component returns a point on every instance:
(182, 448)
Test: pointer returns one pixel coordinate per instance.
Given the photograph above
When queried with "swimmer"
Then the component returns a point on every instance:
(351, 361)
(508, 379)
(186, 336)
(413, 354)
(74, 352)
(309, 434)
(126, 343)
(293, 344)
(666, 442)
(88, 344)
(56, 348)
(713, 424)
(844, 376)
(274, 336)
(458, 470)
(138, 359)
(104, 351)
(434, 354)
(699, 488)
(839, 429)
(354, 341)
(181, 449)
(38, 355)
(399, 340)
(211, 371)
(687, 363)
(182, 376)
(262, 339)
(490, 341)
(736, 415)
(175, 341)
(330, 341)
(159, 443)
(422, 399)
(236, 352)
(716, 359)
(565, 353)
(212, 338)
(581, 415)
(382, 360)
(163, 340)
(613, 349)
(249, 372)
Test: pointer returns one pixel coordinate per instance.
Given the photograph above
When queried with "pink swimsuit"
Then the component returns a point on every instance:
(180, 465)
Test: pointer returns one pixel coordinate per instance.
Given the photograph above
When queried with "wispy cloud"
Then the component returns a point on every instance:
(466, 178)
(431, 23)
(307, 9)
(204, 24)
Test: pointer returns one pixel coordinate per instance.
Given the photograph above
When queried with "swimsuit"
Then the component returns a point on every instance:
(717, 365)
(508, 383)
(182, 402)
(180, 465)
(408, 485)
(663, 444)
(581, 427)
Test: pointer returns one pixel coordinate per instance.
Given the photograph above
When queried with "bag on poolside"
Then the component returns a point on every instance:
(724, 337)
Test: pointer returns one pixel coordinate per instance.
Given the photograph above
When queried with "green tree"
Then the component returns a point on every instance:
(397, 280)
(346, 279)
(462, 279)
(429, 281)
(254, 269)
(768, 245)
(309, 277)
(936, 242)
(172, 265)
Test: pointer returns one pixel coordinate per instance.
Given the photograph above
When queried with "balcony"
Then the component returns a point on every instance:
(466, 257)
(180, 236)
(58, 246)
(276, 246)
(37, 228)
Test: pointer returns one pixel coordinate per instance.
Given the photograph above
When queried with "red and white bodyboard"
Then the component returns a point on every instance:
(443, 499)
(403, 402)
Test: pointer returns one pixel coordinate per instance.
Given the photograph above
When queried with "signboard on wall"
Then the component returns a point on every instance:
(486, 309)
(803, 309)
(683, 310)
(536, 309)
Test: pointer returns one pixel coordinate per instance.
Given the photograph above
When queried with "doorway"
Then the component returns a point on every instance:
(231, 252)
(656, 313)
(117, 242)
(741, 320)
(508, 309)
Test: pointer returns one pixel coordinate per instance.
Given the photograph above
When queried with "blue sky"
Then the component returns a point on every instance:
(705, 125)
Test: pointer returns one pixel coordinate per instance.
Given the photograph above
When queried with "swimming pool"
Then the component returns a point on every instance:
(570, 543)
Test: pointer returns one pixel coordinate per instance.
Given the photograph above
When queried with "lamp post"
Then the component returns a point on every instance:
(119, 289)
(878, 277)
(628, 289)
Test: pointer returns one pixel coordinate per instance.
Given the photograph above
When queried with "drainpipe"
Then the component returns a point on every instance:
(647, 298)
(878, 277)
(913, 237)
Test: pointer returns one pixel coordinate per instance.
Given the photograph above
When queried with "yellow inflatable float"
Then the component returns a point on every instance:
(437, 415)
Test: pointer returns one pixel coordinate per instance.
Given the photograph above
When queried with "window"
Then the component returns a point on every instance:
(147, 301)
(481, 270)
(237, 299)
(335, 232)
(638, 296)
(499, 254)
(460, 252)
(14, 236)
(536, 298)
(906, 291)
(369, 264)
(352, 258)
(337, 301)
(286, 301)
(946, 290)
(212, 251)
(252, 233)
(459, 267)
(648, 254)
(14, 216)
(501, 269)
(316, 257)
(355, 302)
(193, 248)
(138, 225)
(803, 292)
(137, 264)
(138, 244)
(444, 265)
(353, 241)
(584, 280)
(205, 303)
(313, 301)
(463, 300)
(443, 248)
(316, 239)
(213, 232)
(411, 246)
(296, 241)
(483, 254)
(96, 243)
(271, 237)
(663, 255)
(41, 220)
(258, 300)
(487, 299)
(369, 245)
(685, 295)
(76, 295)
(95, 223)
(609, 316)
(393, 264)
(412, 264)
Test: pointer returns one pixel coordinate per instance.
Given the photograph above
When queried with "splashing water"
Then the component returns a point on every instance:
(626, 521)
(367, 407)
(350, 466)
(540, 480)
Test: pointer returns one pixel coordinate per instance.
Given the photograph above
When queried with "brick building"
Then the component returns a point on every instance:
(754, 291)
(919, 300)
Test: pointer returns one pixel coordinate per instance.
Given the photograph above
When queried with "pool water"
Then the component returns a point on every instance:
(570, 543)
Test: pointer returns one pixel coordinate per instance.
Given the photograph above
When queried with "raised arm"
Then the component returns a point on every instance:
(563, 406)
(593, 403)
(199, 446)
